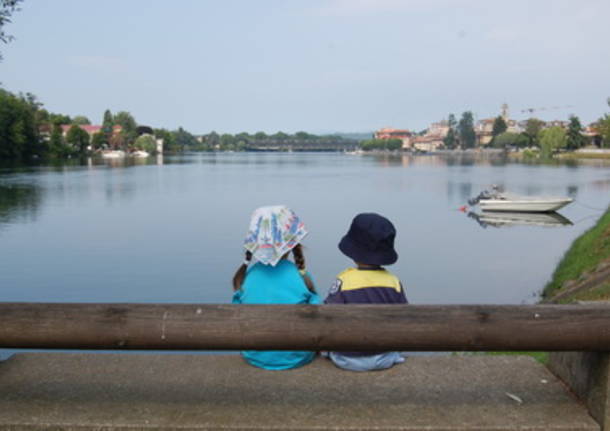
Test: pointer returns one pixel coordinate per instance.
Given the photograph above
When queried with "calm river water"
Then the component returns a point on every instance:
(171, 230)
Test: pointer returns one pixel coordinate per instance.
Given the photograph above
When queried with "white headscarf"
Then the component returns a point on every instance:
(274, 230)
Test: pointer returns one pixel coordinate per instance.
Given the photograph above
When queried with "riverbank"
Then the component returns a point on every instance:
(583, 274)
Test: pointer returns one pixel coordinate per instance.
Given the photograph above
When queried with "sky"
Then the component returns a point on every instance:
(319, 66)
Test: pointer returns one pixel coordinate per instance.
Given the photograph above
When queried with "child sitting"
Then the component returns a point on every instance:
(274, 232)
(370, 244)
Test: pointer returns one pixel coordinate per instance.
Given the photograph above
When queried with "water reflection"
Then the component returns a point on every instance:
(19, 203)
(508, 219)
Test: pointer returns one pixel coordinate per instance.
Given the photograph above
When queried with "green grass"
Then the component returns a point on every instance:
(583, 156)
(585, 254)
(598, 293)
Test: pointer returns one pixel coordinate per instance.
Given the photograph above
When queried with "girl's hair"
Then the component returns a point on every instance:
(299, 260)
(240, 274)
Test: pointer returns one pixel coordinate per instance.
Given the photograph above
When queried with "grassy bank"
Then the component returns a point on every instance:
(580, 262)
(576, 156)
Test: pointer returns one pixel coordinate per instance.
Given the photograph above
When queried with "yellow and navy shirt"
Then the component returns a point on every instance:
(366, 286)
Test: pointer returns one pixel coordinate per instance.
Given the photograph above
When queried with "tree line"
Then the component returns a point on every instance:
(535, 134)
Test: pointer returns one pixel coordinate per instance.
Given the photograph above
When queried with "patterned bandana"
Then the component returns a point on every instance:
(274, 230)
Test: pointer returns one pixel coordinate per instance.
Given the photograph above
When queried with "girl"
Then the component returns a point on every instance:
(274, 232)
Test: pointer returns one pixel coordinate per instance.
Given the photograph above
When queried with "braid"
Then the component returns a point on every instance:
(299, 260)
(240, 274)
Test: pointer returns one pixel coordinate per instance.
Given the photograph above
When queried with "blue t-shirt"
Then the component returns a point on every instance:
(280, 284)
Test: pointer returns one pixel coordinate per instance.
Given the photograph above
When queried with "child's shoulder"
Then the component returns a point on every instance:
(359, 278)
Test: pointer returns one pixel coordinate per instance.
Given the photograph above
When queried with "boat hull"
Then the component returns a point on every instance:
(525, 205)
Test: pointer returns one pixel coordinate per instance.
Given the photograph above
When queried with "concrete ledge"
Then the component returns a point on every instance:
(203, 392)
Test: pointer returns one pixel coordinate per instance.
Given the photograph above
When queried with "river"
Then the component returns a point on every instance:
(171, 229)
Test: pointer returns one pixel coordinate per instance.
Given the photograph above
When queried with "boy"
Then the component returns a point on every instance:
(370, 244)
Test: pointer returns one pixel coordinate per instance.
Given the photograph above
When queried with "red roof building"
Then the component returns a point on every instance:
(90, 129)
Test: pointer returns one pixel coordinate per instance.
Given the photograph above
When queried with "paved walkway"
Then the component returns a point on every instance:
(201, 392)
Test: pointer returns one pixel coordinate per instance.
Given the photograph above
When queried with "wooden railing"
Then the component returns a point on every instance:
(305, 327)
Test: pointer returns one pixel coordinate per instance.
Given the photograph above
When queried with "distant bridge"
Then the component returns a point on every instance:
(303, 145)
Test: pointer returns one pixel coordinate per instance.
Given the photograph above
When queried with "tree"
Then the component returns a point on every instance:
(227, 142)
(259, 136)
(575, 139)
(551, 140)
(499, 126)
(7, 7)
(450, 140)
(81, 120)
(128, 126)
(146, 143)
(603, 128)
(466, 130)
(213, 140)
(169, 144)
(509, 139)
(18, 130)
(279, 136)
(59, 119)
(57, 145)
(533, 126)
(98, 141)
(183, 139)
(108, 125)
(78, 139)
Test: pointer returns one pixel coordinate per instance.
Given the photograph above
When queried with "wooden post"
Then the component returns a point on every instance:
(305, 327)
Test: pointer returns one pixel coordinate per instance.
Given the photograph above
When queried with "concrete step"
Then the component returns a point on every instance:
(205, 392)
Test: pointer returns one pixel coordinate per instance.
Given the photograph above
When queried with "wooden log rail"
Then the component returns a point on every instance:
(305, 327)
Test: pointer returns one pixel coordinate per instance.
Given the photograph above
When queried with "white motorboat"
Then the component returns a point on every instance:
(113, 154)
(524, 204)
(501, 201)
(140, 154)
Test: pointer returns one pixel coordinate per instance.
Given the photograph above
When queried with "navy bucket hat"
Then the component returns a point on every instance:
(370, 240)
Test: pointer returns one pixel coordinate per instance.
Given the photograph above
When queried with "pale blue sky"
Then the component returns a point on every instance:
(313, 65)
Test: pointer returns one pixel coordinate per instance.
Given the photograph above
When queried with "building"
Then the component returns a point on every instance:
(438, 129)
(428, 143)
(90, 129)
(483, 129)
(389, 133)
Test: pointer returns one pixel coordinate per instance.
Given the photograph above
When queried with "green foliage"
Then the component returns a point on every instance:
(499, 126)
(575, 139)
(57, 145)
(59, 119)
(99, 141)
(603, 128)
(509, 139)
(183, 139)
(451, 141)
(128, 127)
(466, 130)
(146, 143)
(551, 140)
(169, 144)
(381, 144)
(107, 124)
(19, 138)
(533, 126)
(279, 136)
(78, 139)
(585, 254)
(81, 120)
